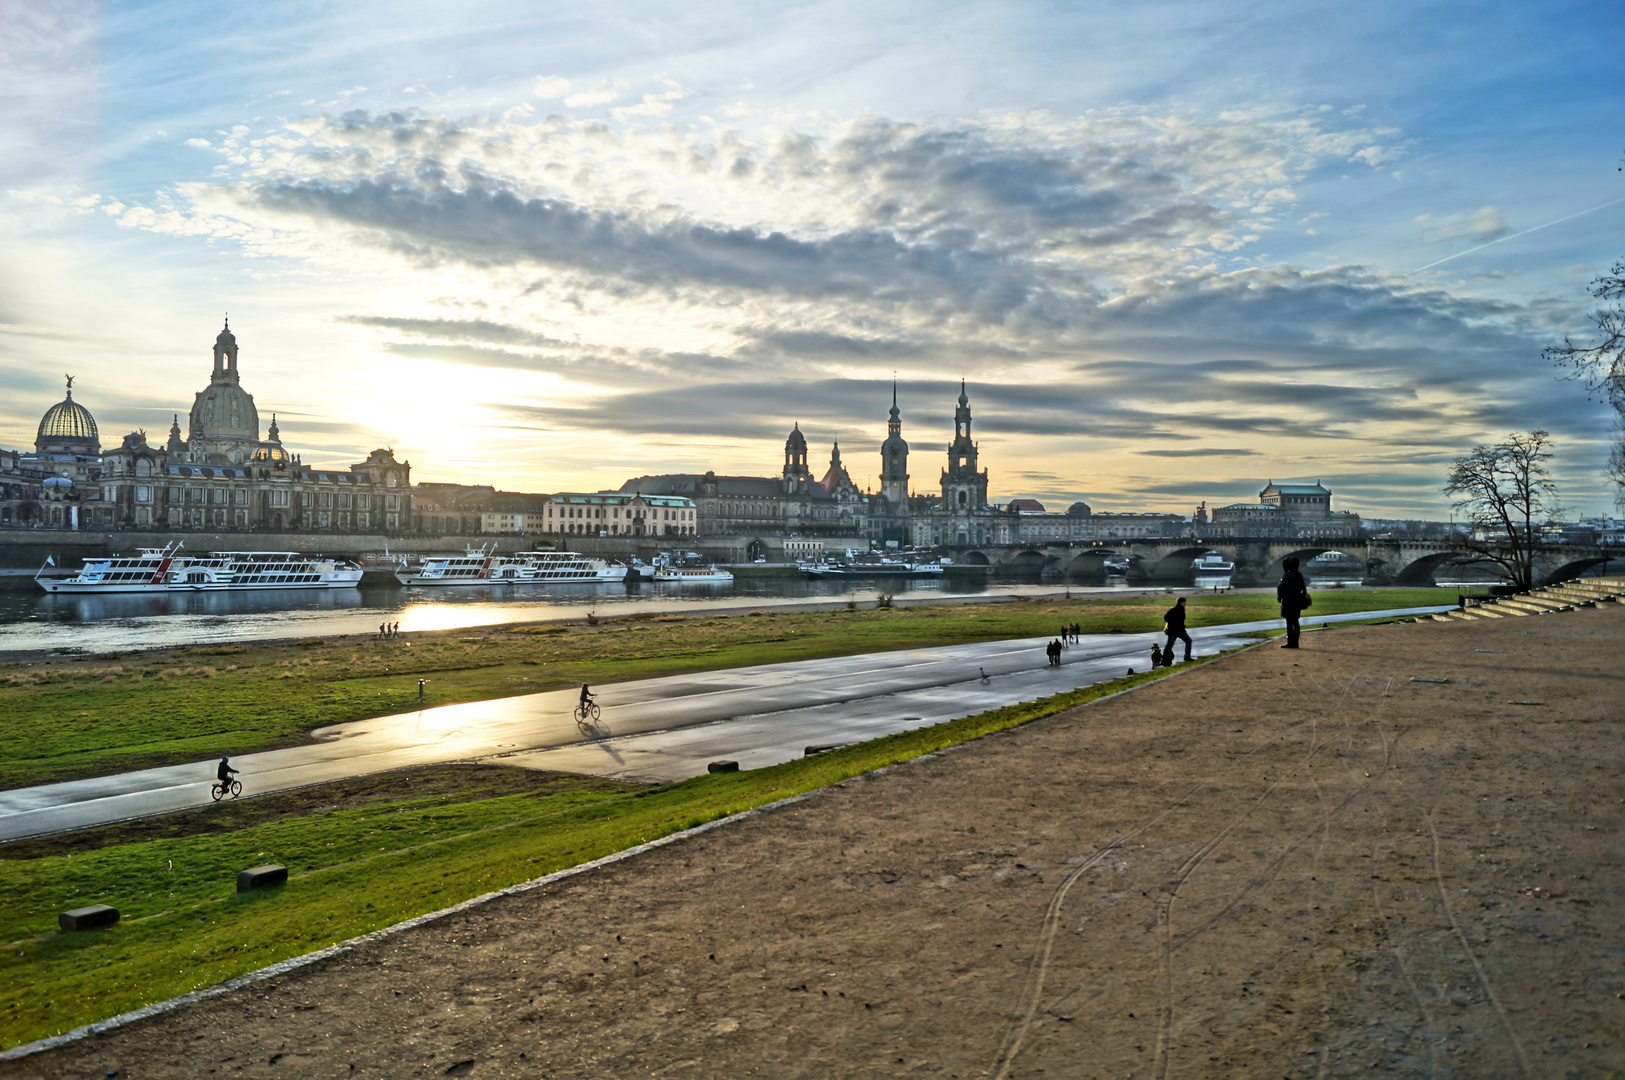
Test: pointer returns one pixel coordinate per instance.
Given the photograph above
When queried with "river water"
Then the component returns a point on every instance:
(39, 622)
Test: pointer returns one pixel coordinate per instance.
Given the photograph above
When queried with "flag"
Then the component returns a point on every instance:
(49, 561)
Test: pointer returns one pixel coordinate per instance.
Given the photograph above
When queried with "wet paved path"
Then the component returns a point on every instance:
(653, 729)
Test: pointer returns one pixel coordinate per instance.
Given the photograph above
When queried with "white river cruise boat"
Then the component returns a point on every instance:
(689, 571)
(572, 566)
(481, 567)
(166, 570)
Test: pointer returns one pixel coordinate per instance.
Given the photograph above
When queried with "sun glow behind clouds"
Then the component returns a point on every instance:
(657, 253)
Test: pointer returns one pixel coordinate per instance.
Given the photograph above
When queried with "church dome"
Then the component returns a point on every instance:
(271, 453)
(68, 426)
(797, 441)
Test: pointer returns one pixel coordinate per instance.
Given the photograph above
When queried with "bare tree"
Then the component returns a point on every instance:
(1506, 489)
(1601, 365)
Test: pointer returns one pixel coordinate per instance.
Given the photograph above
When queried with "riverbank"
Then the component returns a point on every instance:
(69, 718)
(1281, 863)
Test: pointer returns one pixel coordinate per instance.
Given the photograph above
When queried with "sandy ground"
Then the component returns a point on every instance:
(1281, 864)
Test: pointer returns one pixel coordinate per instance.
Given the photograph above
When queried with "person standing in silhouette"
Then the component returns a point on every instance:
(1291, 592)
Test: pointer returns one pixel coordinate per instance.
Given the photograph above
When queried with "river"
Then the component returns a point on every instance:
(33, 622)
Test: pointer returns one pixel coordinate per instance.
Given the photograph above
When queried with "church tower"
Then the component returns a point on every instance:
(797, 476)
(223, 424)
(963, 487)
(894, 460)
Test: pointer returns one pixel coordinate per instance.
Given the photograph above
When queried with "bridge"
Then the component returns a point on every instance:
(1258, 560)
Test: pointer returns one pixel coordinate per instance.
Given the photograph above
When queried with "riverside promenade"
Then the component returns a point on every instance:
(1392, 852)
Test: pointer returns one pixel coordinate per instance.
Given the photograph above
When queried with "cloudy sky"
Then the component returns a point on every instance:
(1175, 248)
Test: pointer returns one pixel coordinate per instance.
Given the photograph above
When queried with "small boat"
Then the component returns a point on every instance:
(1117, 567)
(474, 567)
(1211, 567)
(166, 570)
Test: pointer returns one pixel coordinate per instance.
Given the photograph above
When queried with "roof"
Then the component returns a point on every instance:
(1297, 489)
(739, 487)
(67, 419)
(1027, 506)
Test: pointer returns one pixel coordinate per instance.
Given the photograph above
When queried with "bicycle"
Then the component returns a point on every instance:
(586, 712)
(219, 791)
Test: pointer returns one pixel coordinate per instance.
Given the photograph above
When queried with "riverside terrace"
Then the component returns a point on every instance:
(1386, 854)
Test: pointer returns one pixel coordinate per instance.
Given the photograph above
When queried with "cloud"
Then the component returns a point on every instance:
(1201, 452)
(1096, 278)
(602, 94)
(548, 87)
(1480, 226)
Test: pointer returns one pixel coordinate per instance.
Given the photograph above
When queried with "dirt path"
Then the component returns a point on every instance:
(1284, 864)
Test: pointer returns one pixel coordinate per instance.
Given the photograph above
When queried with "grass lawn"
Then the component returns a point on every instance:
(409, 843)
(64, 719)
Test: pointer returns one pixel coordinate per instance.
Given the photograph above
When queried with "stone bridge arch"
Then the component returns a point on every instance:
(1175, 565)
(1421, 570)
(1280, 554)
(974, 558)
(1088, 564)
(1555, 571)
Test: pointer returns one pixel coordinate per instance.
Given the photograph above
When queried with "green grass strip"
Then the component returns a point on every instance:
(356, 872)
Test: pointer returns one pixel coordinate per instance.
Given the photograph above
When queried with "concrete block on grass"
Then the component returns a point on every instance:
(723, 766)
(261, 877)
(811, 750)
(93, 917)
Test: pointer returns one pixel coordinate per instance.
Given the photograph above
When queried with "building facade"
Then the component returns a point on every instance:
(962, 516)
(1285, 511)
(223, 476)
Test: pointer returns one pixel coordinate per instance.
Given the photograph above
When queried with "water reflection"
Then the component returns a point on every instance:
(69, 623)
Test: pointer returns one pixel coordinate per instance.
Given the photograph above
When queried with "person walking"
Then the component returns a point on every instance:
(1293, 593)
(1173, 624)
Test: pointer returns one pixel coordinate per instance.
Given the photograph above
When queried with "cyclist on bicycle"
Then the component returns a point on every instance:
(224, 773)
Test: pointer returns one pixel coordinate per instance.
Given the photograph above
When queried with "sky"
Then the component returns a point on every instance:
(1174, 249)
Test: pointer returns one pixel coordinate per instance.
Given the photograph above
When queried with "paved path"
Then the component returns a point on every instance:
(653, 729)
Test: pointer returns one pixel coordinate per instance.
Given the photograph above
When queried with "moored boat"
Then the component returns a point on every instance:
(474, 567)
(1212, 568)
(166, 570)
(571, 566)
(689, 570)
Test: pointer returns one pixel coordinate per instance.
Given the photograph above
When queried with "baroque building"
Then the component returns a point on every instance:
(792, 504)
(962, 516)
(223, 476)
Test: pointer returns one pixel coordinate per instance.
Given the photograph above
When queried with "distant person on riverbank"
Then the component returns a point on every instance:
(1173, 624)
(1053, 651)
(1293, 593)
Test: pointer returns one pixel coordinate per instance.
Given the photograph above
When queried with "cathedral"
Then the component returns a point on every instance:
(810, 514)
(221, 477)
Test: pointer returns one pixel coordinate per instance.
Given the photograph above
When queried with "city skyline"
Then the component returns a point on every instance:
(1176, 251)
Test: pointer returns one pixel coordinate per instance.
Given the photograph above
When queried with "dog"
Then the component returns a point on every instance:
(1156, 657)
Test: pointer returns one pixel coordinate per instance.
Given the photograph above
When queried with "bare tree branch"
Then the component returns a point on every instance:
(1506, 490)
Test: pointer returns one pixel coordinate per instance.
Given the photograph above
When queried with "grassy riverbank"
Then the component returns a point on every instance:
(92, 716)
(362, 855)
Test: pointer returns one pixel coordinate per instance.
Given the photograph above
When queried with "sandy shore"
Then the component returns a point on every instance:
(1280, 864)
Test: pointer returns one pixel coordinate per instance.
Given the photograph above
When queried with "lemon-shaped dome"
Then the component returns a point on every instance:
(67, 427)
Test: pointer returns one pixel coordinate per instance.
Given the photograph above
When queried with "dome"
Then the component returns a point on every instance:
(57, 483)
(271, 453)
(68, 426)
(796, 441)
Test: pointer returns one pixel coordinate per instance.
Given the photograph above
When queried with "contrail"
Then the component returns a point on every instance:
(1515, 235)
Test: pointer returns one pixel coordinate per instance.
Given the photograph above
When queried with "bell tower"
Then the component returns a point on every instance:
(894, 459)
